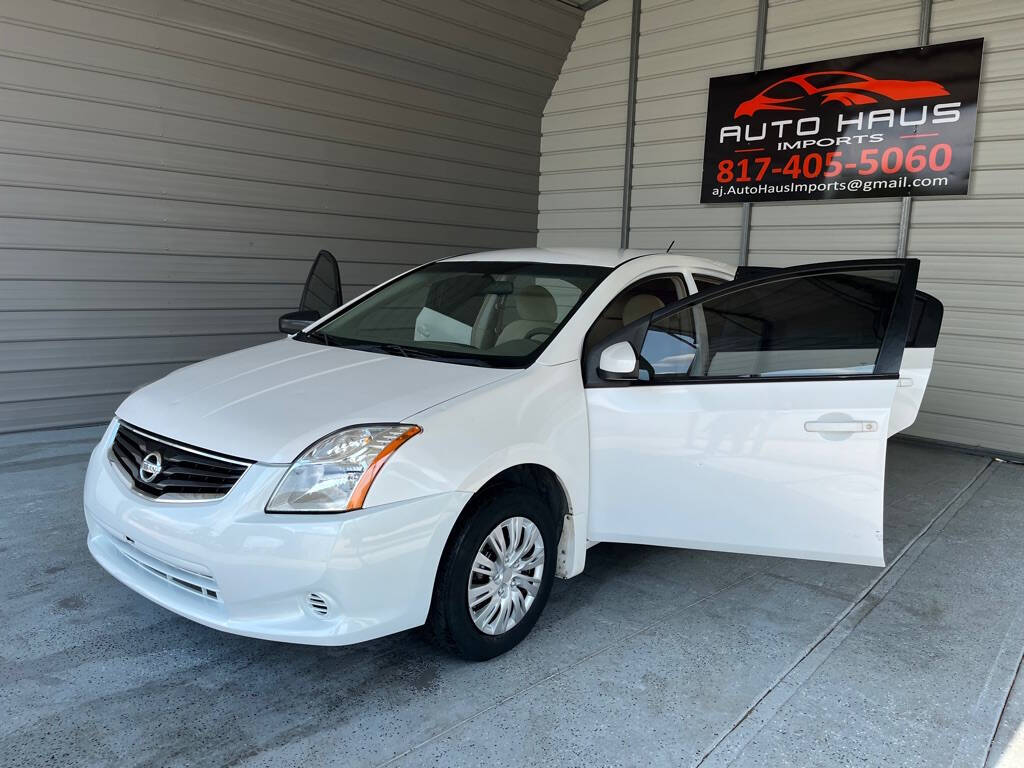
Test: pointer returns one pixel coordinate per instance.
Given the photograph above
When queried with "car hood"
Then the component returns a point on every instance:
(269, 403)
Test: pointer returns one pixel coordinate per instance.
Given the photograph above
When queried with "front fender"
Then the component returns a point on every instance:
(536, 417)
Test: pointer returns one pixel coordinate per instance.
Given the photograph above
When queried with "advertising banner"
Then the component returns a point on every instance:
(886, 124)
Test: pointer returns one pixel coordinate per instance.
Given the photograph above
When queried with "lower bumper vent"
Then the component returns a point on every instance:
(199, 585)
(318, 604)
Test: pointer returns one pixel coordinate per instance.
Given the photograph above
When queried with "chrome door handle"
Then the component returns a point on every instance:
(841, 426)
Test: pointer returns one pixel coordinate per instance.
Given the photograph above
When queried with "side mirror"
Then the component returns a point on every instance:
(293, 322)
(618, 363)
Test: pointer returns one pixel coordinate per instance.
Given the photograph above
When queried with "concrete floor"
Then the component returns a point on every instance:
(652, 657)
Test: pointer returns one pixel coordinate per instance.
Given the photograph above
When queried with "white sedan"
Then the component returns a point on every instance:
(438, 449)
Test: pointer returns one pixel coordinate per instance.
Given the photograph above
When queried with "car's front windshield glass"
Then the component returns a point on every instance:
(483, 313)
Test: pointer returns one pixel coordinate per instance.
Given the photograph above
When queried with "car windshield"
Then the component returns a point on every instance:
(786, 89)
(477, 313)
(825, 79)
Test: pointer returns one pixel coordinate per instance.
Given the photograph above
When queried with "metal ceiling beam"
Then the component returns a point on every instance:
(584, 5)
(748, 208)
(627, 180)
(907, 203)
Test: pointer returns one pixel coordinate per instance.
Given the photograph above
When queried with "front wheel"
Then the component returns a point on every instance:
(496, 575)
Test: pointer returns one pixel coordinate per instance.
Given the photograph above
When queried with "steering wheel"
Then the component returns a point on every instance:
(537, 332)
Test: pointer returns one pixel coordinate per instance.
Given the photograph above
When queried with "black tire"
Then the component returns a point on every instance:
(449, 620)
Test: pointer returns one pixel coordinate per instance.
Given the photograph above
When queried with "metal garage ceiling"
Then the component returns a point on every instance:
(584, 5)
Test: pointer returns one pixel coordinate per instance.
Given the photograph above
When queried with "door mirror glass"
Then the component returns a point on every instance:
(618, 362)
(294, 322)
(322, 292)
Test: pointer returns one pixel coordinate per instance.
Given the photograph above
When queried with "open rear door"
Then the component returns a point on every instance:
(757, 417)
(321, 294)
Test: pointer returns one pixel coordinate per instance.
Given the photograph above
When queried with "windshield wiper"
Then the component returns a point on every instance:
(388, 348)
(393, 348)
(317, 337)
(398, 349)
(373, 346)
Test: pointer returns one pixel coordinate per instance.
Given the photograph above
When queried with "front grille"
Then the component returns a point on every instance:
(184, 471)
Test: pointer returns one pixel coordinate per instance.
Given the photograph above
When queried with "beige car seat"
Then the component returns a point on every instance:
(537, 311)
(640, 305)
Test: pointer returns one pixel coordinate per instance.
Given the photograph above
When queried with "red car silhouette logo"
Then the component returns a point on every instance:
(846, 88)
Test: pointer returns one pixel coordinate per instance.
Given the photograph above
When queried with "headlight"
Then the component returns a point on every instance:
(336, 473)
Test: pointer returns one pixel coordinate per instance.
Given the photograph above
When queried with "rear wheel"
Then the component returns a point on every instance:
(496, 575)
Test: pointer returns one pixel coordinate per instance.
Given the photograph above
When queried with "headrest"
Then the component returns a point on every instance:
(535, 303)
(640, 305)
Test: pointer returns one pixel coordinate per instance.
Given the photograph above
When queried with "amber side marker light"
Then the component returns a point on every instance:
(355, 501)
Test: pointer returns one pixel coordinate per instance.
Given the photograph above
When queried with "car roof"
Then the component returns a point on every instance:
(599, 257)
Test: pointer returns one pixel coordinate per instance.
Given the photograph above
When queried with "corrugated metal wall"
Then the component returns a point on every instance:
(584, 126)
(682, 44)
(168, 169)
(583, 132)
(812, 30)
(972, 249)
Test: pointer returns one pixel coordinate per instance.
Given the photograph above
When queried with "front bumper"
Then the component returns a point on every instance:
(229, 565)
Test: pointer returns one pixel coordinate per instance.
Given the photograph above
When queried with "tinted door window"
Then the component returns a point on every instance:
(820, 325)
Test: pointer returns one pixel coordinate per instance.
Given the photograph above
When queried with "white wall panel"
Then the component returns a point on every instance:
(168, 169)
(972, 250)
(584, 132)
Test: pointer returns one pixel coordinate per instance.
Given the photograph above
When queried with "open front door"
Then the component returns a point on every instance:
(757, 415)
(916, 367)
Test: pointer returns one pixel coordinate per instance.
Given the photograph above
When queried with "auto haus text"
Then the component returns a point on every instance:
(806, 131)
